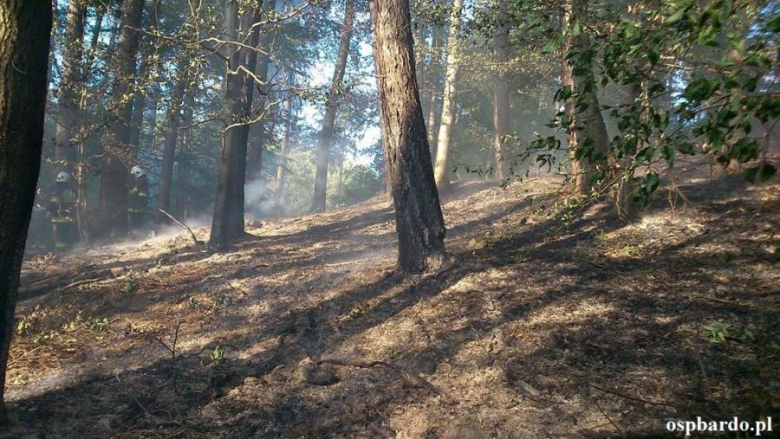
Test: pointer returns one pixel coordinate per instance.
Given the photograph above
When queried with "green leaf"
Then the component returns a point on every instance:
(750, 174)
(576, 30)
(761, 173)
(651, 182)
(551, 46)
(654, 57)
(716, 138)
(676, 17)
(750, 84)
(668, 153)
(645, 155)
(629, 144)
(718, 332)
(699, 90)
(774, 24)
(708, 35)
(563, 94)
(642, 193)
(745, 150)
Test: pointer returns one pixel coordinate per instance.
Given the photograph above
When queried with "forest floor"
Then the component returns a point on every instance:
(546, 323)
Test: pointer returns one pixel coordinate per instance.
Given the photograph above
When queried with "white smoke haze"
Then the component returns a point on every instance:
(259, 201)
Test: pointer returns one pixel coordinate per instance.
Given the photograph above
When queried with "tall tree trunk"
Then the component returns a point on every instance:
(418, 217)
(228, 219)
(24, 49)
(249, 60)
(170, 138)
(430, 98)
(434, 80)
(52, 63)
(385, 166)
(449, 99)
(340, 187)
(328, 122)
(625, 206)
(231, 104)
(84, 226)
(586, 128)
(113, 42)
(281, 167)
(421, 53)
(113, 179)
(257, 132)
(94, 41)
(501, 96)
(68, 108)
(184, 154)
(147, 45)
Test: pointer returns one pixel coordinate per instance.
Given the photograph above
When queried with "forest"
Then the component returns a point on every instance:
(454, 219)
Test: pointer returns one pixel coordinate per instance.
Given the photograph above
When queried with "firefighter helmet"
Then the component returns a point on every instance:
(137, 171)
(63, 177)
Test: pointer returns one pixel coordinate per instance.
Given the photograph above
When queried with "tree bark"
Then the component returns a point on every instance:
(434, 80)
(257, 132)
(142, 78)
(68, 105)
(84, 224)
(281, 167)
(117, 154)
(385, 167)
(501, 97)
(231, 104)
(331, 105)
(449, 99)
(419, 221)
(421, 53)
(228, 219)
(52, 63)
(94, 41)
(340, 187)
(170, 138)
(586, 127)
(249, 60)
(184, 154)
(625, 206)
(113, 42)
(25, 30)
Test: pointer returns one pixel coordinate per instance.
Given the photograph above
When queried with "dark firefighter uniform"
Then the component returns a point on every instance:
(138, 200)
(62, 208)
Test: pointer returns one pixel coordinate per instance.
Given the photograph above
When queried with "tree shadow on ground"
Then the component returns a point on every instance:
(634, 340)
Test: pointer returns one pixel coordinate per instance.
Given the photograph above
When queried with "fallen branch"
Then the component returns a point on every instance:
(172, 348)
(413, 379)
(358, 364)
(84, 282)
(194, 238)
(62, 282)
(617, 427)
(636, 399)
(60, 277)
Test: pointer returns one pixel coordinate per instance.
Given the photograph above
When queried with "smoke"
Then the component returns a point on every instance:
(259, 200)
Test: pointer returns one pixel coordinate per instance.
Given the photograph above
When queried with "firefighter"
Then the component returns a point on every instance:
(62, 209)
(138, 199)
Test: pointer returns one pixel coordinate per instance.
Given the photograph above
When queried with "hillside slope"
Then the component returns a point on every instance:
(541, 325)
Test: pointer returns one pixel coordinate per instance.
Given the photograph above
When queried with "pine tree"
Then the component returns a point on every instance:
(331, 105)
(24, 54)
(118, 154)
(419, 221)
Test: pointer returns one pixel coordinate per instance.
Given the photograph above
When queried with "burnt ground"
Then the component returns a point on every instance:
(546, 323)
